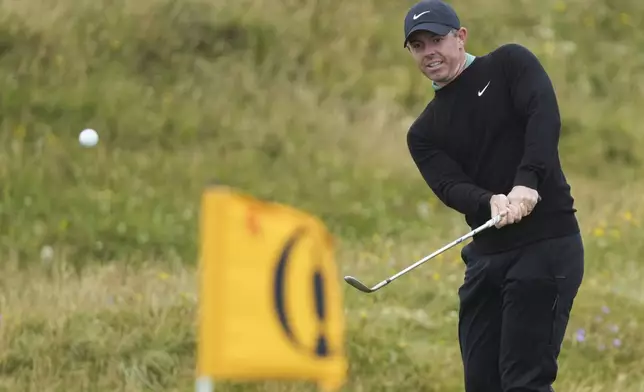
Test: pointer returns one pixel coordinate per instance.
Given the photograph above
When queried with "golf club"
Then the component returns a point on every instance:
(362, 287)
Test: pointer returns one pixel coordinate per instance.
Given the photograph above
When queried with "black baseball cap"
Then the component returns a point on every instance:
(434, 16)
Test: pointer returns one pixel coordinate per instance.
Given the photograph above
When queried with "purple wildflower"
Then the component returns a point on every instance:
(580, 335)
(617, 342)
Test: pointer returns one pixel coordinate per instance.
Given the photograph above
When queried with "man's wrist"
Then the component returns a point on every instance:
(526, 178)
(484, 201)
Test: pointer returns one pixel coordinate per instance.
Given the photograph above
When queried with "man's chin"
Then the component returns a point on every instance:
(436, 78)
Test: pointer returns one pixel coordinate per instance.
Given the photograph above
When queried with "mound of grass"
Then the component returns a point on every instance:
(297, 102)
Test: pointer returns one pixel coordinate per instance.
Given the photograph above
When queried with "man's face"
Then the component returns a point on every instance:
(438, 57)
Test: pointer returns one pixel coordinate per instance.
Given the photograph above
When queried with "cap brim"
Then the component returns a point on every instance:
(435, 28)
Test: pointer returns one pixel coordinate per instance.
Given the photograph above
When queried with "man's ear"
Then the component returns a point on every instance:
(462, 36)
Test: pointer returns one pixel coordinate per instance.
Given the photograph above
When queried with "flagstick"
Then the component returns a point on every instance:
(204, 384)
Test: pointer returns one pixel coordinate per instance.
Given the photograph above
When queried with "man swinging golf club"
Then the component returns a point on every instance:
(487, 144)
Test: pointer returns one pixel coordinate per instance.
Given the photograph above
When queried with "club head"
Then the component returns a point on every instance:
(357, 284)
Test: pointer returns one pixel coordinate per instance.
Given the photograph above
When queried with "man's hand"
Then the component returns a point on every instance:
(524, 198)
(500, 204)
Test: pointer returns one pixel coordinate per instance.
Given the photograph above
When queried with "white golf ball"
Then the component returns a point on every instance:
(88, 138)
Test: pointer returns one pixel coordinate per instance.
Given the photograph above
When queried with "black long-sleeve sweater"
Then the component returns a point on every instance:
(496, 126)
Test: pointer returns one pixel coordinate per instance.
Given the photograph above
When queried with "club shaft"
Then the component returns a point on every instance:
(472, 233)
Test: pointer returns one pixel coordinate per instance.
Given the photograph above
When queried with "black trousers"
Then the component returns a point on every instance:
(514, 310)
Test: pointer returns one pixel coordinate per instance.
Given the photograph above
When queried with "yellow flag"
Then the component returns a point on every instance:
(270, 301)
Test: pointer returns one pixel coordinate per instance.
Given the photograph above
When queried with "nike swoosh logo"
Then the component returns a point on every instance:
(421, 14)
(484, 88)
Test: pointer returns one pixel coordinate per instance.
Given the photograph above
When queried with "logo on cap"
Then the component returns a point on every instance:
(416, 16)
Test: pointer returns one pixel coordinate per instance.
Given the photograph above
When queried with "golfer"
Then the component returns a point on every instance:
(487, 144)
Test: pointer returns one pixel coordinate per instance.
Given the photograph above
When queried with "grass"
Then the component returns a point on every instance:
(120, 327)
(302, 103)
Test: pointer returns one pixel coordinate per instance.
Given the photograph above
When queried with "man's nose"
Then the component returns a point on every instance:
(429, 50)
